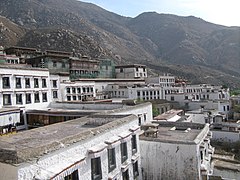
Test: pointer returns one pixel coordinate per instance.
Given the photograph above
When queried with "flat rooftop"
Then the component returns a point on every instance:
(31, 144)
(169, 114)
(178, 132)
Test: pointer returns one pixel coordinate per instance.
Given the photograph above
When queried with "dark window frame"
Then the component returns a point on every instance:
(54, 83)
(55, 94)
(135, 170)
(36, 83)
(44, 97)
(96, 168)
(111, 159)
(18, 82)
(44, 83)
(9, 99)
(27, 83)
(134, 144)
(36, 97)
(28, 98)
(19, 99)
(124, 153)
(6, 82)
(125, 175)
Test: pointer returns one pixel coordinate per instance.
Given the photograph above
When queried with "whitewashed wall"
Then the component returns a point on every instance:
(168, 161)
(226, 136)
(8, 172)
(9, 118)
(61, 157)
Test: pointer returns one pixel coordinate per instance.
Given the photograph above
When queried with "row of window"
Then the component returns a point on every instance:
(7, 98)
(167, 80)
(83, 72)
(79, 98)
(146, 93)
(194, 90)
(18, 83)
(96, 169)
(78, 90)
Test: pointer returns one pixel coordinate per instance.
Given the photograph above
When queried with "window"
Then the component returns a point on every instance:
(18, 82)
(28, 98)
(186, 97)
(54, 83)
(74, 90)
(68, 90)
(44, 83)
(135, 170)
(138, 93)
(55, 94)
(6, 82)
(19, 99)
(44, 97)
(125, 175)
(136, 68)
(134, 144)
(63, 65)
(172, 98)
(54, 64)
(96, 168)
(121, 70)
(124, 155)
(111, 159)
(73, 176)
(228, 108)
(145, 117)
(7, 99)
(36, 85)
(74, 98)
(36, 98)
(27, 82)
(68, 98)
(78, 90)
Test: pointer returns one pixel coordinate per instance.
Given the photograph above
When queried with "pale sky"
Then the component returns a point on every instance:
(224, 12)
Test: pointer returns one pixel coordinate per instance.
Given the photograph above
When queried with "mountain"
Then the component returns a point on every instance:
(10, 33)
(189, 47)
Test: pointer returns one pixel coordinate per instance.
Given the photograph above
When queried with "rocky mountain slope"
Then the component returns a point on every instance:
(187, 46)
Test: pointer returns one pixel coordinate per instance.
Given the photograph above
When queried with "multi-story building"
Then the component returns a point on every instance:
(83, 68)
(176, 151)
(100, 146)
(131, 71)
(164, 81)
(24, 87)
(55, 62)
(192, 97)
(107, 68)
(8, 59)
(77, 91)
(138, 92)
(23, 52)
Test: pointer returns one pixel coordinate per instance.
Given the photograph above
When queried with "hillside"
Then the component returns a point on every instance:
(10, 33)
(166, 43)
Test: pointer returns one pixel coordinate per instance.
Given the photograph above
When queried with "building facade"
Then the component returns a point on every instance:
(131, 71)
(163, 81)
(177, 151)
(98, 147)
(83, 68)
